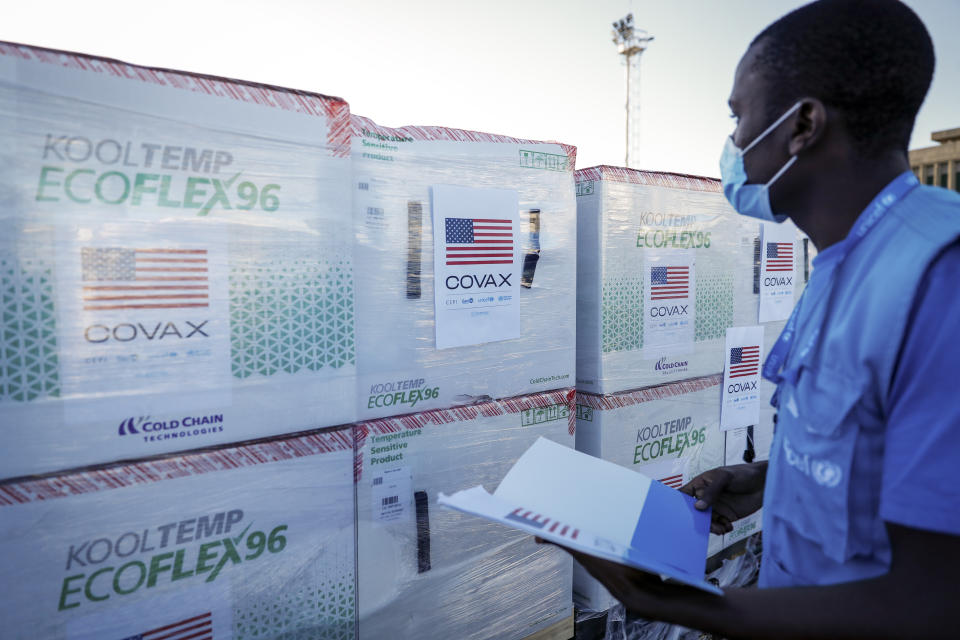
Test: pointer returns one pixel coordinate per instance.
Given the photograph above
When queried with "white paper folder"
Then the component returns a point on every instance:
(598, 508)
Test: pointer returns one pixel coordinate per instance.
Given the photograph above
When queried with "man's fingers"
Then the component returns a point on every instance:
(723, 510)
(720, 525)
(714, 484)
(691, 486)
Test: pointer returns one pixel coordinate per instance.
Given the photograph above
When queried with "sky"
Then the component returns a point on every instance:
(544, 70)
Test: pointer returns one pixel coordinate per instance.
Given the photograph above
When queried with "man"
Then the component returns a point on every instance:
(861, 509)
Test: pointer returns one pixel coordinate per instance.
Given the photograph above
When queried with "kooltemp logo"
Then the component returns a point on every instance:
(159, 278)
(146, 558)
(85, 171)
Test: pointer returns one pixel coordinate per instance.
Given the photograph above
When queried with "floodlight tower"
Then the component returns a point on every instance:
(631, 42)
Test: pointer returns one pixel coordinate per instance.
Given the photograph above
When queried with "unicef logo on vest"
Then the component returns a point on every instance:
(825, 473)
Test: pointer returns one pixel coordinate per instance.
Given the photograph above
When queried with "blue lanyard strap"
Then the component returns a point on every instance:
(878, 207)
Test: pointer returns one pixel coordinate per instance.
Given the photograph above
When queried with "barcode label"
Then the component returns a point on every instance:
(363, 186)
(391, 495)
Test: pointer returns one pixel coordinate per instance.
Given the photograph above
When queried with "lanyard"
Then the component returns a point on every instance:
(891, 194)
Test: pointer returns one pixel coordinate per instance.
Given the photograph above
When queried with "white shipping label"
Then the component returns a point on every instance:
(143, 310)
(669, 303)
(475, 256)
(778, 266)
(743, 358)
(391, 494)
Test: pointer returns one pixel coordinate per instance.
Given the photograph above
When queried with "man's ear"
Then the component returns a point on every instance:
(809, 125)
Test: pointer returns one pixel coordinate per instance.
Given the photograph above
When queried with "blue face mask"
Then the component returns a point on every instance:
(750, 199)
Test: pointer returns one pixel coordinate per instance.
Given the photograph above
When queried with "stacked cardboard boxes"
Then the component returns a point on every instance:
(176, 273)
(176, 261)
(466, 246)
(241, 542)
(665, 267)
(424, 571)
(412, 293)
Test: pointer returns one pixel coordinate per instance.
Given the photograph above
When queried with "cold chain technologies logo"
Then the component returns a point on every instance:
(668, 366)
(192, 549)
(159, 430)
(80, 170)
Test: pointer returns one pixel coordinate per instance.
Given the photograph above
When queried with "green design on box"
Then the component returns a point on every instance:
(324, 612)
(622, 313)
(29, 367)
(289, 316)
(623, 310)
(714, 305)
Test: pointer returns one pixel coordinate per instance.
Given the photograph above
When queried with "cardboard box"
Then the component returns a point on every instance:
(629, 223)
(396, 174)
(669, 433)
(426, 572)
(176, 261)
(244, 542)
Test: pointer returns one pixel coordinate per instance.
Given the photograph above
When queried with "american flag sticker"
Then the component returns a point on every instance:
(544, 523)
(471, 241)
(674, 482)
(117, 278)
(744, 361)
(669, 283)
(195, 628)
(779, 256)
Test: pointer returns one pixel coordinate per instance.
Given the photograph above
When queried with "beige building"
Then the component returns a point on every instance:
(940, 165)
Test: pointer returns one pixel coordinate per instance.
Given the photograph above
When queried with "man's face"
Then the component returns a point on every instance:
(748, 103)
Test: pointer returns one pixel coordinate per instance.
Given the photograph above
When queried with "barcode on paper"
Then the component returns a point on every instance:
(391, 495)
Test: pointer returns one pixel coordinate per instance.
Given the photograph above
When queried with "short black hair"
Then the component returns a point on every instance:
(872, 60)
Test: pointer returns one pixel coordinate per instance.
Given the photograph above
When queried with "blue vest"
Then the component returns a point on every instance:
(821, 517)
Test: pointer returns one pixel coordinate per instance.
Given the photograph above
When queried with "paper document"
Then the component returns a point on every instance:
(476, 278)
(778, 265)
(599, 508)
(741, 377)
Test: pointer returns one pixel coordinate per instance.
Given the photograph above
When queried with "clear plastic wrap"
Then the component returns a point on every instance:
(396, 175)
(669, 433)
(175, 261)
(251, 541)
(427, 572)
(738, 571)
(751, 444)
(631, 223)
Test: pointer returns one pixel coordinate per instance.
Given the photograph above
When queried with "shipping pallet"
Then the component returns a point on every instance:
(562, 630)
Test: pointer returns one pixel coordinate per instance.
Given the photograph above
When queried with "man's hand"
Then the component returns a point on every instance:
(643, 594)
(734, 492)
